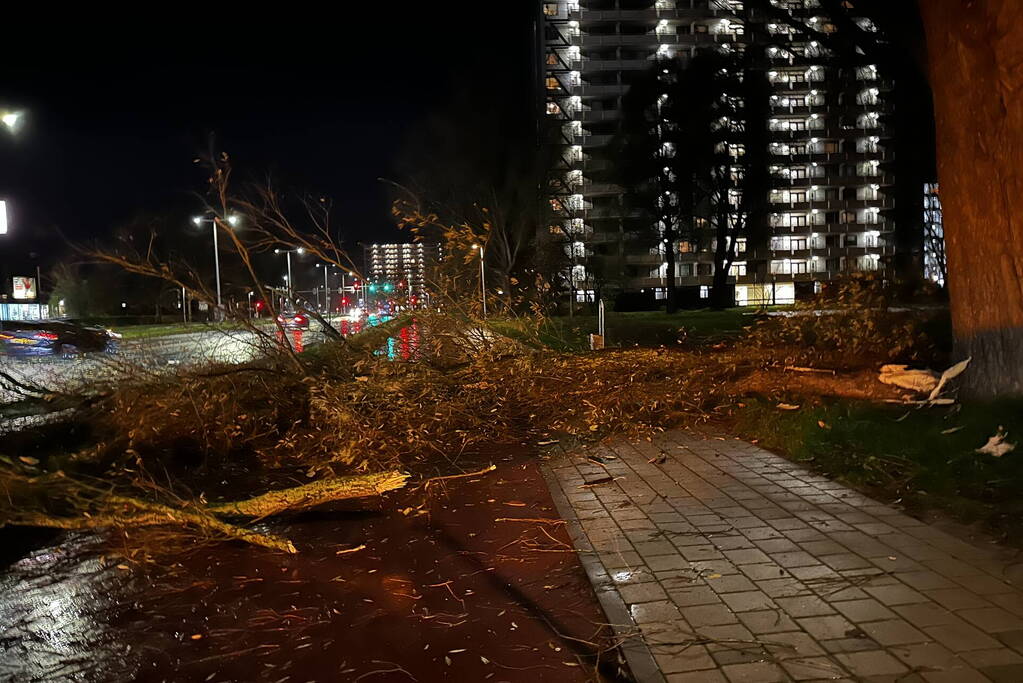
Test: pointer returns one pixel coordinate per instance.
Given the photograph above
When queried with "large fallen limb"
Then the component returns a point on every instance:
(311, 495)
(106, 511)
(137, 513)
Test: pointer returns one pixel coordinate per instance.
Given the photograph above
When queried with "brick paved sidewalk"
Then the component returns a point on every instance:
(719, 561)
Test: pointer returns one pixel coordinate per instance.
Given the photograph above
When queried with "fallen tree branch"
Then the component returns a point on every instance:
(119, 512)
(137, 513)
(313, 494)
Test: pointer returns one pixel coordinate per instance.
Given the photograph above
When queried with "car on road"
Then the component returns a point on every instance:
(294, 320)
(53, 338)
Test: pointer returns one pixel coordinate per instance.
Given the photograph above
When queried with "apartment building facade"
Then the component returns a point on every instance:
(402, 265)
(831, 201)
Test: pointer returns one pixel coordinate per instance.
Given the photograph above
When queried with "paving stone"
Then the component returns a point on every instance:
(959, 675)
(925, 614)
(926, 656)
(1006, 673)
(813, 668)
(758, 572)
(893, 632)
(805, 606)
(709, 615)
(691, 658)
(782, 588)
(957, 598)
(741, 557)
(924, 580)
(825, 628)
(661, 611)
(992, 619)
(767, 621)
(839, 645)
(960, 637)
(777, 545)
(747, 601)
(793, 645)
(898, 594)
(663, 563)
(708, 676)
(845, 561)
(730, 584)
(871, 663)
(695, 595)
(760, 672)
(1001, 656)
(642, 592)
(863, 610)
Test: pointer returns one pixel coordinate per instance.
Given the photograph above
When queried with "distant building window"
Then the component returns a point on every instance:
(550, 9)
(704, 292)
(552, 83)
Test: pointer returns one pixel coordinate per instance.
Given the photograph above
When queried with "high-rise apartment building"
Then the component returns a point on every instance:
(402, 264)
(831, 199)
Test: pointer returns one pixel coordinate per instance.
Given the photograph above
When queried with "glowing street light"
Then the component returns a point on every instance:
(234, 221)
(11, 119)
(287, 279)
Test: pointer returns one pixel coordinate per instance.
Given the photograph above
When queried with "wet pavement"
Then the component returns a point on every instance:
(473, 579)
(721, 562)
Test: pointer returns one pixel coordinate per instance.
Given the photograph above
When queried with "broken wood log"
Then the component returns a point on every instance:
(107, 511)
(312, 494)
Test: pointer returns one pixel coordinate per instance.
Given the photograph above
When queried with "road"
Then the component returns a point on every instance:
(156, 354)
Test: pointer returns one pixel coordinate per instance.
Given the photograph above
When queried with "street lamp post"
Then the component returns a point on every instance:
(233, 220)
(326, 287)
(287, 253)
(483, 276)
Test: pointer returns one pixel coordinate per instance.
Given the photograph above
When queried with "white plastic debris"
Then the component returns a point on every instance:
(996, 445)
(921, 381)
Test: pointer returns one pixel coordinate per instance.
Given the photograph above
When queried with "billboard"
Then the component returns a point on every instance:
(24, 287)
(3, 217)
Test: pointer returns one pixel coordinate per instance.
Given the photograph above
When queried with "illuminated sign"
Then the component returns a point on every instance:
(24, 288)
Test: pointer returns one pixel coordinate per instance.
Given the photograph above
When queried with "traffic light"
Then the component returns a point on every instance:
(357, 285)
(344, 301)
(372, 289)
(388, 287)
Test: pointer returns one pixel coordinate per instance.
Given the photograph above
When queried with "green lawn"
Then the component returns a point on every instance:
(150, 331)
(649, 328)
(922, 457)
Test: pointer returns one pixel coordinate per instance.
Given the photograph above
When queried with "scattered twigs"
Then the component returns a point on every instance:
(433, 480)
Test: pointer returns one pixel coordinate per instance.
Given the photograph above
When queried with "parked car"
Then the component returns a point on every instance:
(296, 320)
(53, 338)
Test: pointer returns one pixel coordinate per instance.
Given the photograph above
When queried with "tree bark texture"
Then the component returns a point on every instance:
(975, 54)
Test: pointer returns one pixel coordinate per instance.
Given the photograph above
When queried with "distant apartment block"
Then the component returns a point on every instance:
(831, 160)
(402, 264)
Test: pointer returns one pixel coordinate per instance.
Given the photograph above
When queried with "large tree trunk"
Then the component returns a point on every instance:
(976, 61)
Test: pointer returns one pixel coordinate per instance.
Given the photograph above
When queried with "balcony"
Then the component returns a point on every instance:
(597, 115)
(652, 260)
(588, 90)
(652, 40)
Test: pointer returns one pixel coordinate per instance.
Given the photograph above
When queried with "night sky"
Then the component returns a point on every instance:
(115, 115)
